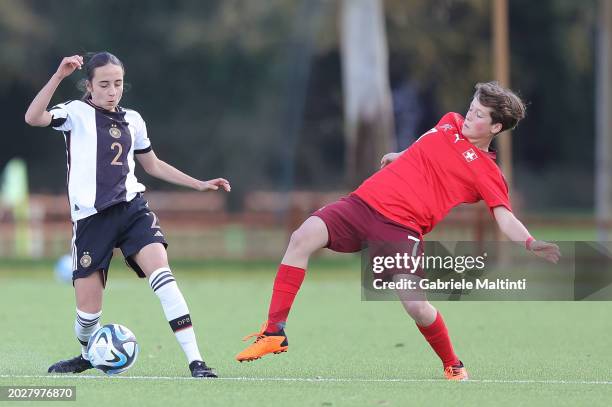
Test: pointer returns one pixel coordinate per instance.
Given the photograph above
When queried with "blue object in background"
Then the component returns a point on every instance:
(63, 269)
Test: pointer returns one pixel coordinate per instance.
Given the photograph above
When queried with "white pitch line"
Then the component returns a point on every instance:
(306, 379)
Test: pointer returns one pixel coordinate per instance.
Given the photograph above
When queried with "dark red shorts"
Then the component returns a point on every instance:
(353, 225)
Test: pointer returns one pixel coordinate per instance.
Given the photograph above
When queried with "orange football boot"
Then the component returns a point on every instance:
(456, 372)
(265, 342)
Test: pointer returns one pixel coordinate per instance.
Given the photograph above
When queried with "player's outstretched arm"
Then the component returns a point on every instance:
(37, 114)
(164, 171)
(517, 232)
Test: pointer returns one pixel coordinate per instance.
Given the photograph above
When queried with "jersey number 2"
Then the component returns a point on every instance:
(119, 152)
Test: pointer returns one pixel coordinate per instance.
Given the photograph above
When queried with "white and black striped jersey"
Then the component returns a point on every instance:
(100, 147)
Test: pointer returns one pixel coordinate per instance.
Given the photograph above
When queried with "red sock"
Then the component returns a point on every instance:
(437, 336)
(286, 285)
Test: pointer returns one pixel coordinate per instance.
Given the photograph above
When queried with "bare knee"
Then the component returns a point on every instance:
(298, 241)
(307, 239)
(151, 257)
(301, 241)
(421, 311)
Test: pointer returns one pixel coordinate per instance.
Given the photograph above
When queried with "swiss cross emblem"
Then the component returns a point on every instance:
(470, 155)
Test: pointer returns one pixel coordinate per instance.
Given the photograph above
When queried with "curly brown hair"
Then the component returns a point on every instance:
(506, 106)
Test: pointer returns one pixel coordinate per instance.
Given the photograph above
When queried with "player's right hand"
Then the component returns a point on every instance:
(388, 159)
(69, 64)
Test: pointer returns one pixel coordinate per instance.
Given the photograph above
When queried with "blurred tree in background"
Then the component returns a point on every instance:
(252, 91)
(444, 48)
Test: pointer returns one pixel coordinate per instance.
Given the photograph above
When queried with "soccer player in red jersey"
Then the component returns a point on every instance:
(449, 165)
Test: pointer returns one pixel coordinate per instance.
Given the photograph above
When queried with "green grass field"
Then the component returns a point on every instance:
(344, 352)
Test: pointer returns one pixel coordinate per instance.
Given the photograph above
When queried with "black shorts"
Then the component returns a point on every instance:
(129, 226)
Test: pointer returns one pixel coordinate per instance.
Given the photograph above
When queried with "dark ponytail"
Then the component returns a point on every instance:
(95, 60)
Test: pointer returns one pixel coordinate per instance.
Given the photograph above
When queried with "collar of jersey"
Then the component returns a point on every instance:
(491, 153)
(120, 112)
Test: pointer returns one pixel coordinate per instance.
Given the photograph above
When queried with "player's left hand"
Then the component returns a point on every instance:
(546, 250)
(215, 184)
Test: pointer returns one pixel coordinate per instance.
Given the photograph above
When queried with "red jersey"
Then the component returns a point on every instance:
(441, 170)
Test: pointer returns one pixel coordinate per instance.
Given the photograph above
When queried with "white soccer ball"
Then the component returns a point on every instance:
(112, 349)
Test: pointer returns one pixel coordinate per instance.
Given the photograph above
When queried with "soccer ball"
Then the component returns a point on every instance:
(112, 349)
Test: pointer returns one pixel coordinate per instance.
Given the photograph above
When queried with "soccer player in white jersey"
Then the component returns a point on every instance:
(106, 203)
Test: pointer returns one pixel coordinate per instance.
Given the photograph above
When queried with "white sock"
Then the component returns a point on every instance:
(175, 308)
(85, 325)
